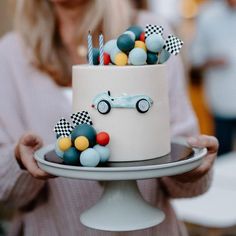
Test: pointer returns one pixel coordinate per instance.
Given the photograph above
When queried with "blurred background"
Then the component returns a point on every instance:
(215, 212)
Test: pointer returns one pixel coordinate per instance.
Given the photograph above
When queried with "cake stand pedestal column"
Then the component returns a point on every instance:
(122, 208)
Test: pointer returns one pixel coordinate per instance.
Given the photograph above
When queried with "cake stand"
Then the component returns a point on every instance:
(121, 207)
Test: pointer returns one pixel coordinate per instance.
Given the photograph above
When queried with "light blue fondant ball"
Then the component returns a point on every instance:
(58, 151)
(104, 152)
(90, 158)
(131, 34)
(114, 52)
(155, 43)
(164, 56)
(109, 46)
(137, 57)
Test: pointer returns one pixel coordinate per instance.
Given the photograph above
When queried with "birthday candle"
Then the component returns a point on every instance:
(101, 49)
(90, 48)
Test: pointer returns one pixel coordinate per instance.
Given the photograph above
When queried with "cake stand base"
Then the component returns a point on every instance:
(121, 208)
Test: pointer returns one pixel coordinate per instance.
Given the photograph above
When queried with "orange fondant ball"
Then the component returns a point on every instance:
(142, 37)
(103, 138)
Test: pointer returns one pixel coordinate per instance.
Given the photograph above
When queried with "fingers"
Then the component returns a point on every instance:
(204, 141)
(31, 140)
(31, 165)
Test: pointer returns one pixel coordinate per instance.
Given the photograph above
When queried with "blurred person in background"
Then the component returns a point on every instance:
(35, 74)
(213, 54)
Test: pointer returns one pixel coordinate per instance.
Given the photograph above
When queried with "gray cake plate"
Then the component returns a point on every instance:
(121, 207)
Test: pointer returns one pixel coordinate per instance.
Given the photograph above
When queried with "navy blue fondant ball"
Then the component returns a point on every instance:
(71, 156)
(137, 30)
(125, 43)
(151, 58)
(85, 130)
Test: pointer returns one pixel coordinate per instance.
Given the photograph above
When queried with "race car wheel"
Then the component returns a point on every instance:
(142, 106)
(104, 107)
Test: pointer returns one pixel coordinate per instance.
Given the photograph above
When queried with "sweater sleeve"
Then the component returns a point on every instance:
(17, 187)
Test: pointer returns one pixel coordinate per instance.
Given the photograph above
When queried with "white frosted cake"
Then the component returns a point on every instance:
(130, 103)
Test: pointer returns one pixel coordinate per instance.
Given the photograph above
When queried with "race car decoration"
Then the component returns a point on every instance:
(104, 102)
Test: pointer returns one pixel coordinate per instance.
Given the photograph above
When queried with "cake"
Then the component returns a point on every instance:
(135, 136)
(120, 101)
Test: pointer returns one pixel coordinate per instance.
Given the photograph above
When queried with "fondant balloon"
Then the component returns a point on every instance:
(164, 56)
(142, 37)
(90, 158)
(114, 52)
(131, 34)
(71, 156)
(140, 44)
(155, 43)
(85, 130)
(137, 30)
(125, 43)
(106, 57)
(109, 45)
(121, 59)
(64, 143)
(104, 152)
(138, 57)
(152, 58)
(102, 138)
(95, 56)
(58, 151)
(81, 143)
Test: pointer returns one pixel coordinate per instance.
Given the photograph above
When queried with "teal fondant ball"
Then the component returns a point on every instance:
(90, 158)
(137, 30)
(103, 151)
(131, 34)
(95, 56)
(71, 156)
(85, 130)
(109, 46)
(138, 57)
(152, 58)
(125, 43)
(155, 43)
(114, 52)
(164, 56)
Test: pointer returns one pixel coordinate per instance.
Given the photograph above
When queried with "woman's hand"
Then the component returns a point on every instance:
(202, 141)
(24, 153)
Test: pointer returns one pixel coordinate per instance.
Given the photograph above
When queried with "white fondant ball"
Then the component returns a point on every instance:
(164, 56)
(90, 158)
(114, 52)
(155, 43)
(137, 57)
(131, 34)
(109, 46)
(104, 152)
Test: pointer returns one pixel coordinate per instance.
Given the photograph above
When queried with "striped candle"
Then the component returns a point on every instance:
(90, 48)
(101, 49)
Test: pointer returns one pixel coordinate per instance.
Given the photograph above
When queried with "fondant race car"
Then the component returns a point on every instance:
(103, 102)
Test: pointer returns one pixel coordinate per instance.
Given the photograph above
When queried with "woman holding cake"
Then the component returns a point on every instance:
(35, 71)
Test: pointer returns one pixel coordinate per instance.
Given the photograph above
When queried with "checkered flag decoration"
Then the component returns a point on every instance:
(153, 29)
(81, 118)
(173, 45)
(63, 128)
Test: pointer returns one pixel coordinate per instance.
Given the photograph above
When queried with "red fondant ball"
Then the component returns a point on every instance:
(142, 37)
(107, 59)
(103, 138)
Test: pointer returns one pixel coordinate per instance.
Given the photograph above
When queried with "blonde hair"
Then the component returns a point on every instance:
(36, 22)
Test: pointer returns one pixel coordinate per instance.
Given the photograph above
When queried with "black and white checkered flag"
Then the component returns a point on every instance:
(173, 44)
(63, 128)
(153, 29)
(81, 118)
